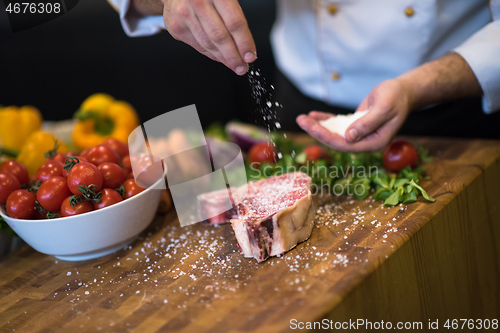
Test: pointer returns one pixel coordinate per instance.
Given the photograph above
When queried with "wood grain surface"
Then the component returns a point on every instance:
(411, 262)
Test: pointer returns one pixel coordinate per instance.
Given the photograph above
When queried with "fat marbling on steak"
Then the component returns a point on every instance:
(275, 215)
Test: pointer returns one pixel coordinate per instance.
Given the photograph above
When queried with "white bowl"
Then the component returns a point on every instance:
(94, 234)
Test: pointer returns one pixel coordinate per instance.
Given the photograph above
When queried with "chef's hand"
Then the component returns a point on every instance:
(215, 28)
(389, 106)
(440, 80)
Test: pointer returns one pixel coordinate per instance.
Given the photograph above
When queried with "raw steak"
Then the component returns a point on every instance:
(213, 202)
(276, 214)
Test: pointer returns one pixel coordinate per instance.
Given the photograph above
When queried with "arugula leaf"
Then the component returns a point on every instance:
(424, 194)
(393, 199)
(409, 197)
(400, 182)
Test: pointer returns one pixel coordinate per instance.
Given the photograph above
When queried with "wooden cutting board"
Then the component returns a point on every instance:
(415, 262)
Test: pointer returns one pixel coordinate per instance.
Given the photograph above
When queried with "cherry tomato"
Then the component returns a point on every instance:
(49, 169)
(81, 206)
(70, 153)
(148, 172)
(84, 174)
(314, 153)
(126, 165)
(52, 193)
(120, 146)
(16, 169)
(112, 174)
(85, 152)
(399, 154)
(101, 154)
(262, 152)
(109, 197)
(8, 184)
(21, 204)
(59, 157)
(80, 159)
(126, 162)
(131, 188)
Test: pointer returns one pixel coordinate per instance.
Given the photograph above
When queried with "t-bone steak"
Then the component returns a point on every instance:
(276, 214)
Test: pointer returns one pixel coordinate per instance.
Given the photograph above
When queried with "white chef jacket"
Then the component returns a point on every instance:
(339, 50)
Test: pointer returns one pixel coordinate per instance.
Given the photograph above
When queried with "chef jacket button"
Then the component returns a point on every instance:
(335, 76)
(409, 12)
(332, 9)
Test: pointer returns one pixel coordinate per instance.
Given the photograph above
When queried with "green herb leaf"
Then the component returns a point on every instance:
(424, 194)
(393, 199)
(400, 182)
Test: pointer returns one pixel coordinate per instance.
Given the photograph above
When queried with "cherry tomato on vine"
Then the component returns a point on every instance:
(112, 174)
(75, 205)
(59, 157)
(84, 174)
(119, 146)
(131, 188)
(262, 152)
(21, 204)
(49, 169)
(399, 154)
(52, 193)
(8, 184)
(16, 169)
(101, 154)
(109, 197)
(65, 172)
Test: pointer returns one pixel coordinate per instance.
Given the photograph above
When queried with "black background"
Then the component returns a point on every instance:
(57, 65)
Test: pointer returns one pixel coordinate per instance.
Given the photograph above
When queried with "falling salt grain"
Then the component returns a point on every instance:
(68, 274)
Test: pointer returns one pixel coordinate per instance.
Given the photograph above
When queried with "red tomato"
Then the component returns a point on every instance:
(84, 174)
(59, 157)
(126, 162)
(8, 184)
(79, 207)
(112, 174)
(52, 193)
(85, 152)
(17, 170)
(262, 152)
(126, 165)
(101, 154)
(80, 159)
(399, 155)
(131, 188)
(119, 146)
(49, 169)
(70, 153)
(21, 204)
(148, 172)
(314, 153)
(109, 197)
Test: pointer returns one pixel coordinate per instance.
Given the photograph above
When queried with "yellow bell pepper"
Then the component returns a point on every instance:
(101, 117)
(37, 144)
(17, 123)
